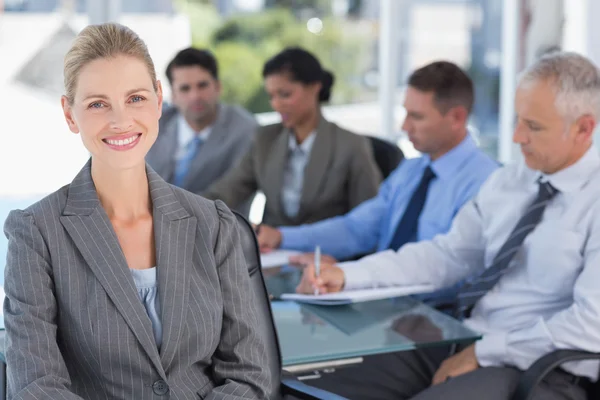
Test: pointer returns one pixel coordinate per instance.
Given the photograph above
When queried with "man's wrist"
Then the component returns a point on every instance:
(355, 276)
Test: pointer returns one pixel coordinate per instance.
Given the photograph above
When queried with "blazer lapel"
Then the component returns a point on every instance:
(174, 233)
(315, 171)
(274, 169)
(90, 229)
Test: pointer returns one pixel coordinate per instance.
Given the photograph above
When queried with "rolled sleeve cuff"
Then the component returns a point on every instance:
(355, 276)
(491, 350)
(292, 239)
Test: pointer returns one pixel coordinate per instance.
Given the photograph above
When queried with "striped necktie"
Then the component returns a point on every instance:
(478, 286)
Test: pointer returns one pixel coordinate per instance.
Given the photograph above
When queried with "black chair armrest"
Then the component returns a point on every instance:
(539, 369)
(290, 385)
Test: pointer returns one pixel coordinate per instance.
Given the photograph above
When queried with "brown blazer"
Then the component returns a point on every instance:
(341, 173)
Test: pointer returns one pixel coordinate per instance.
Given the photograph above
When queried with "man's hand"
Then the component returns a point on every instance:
(330, 280)
(309, 258)
(268, 238)
(459, 364)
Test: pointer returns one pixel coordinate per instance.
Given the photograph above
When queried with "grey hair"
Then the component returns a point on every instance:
(576, 81)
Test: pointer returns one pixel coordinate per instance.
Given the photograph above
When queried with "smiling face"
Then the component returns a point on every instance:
(116, 110)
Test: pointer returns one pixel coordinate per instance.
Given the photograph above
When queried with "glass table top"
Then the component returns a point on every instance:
(311, 333)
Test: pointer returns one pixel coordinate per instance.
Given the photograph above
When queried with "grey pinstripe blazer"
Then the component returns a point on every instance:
(76, 327)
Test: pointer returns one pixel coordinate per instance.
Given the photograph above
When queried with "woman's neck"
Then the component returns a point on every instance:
(306, 127)
(124, 194)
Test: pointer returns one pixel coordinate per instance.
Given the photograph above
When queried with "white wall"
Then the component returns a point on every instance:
(582, 33)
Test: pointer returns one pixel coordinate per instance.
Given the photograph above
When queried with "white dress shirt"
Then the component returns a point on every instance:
(549, 296)
(185, 134)
(293, 175)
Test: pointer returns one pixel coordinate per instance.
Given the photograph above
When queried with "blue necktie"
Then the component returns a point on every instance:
(407, 228)
(476, 287)
(183, 164)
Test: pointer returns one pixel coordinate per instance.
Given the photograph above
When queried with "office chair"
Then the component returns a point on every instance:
(387, 155)
(544, 365)
(290, 387)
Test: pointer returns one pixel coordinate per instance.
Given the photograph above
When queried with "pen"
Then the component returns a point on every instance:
(317, 265)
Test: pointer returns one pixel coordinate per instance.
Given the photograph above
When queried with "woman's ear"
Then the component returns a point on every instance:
(315, 87)
(159, 95)
(68, 113)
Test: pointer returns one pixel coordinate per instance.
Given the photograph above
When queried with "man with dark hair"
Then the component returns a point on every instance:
(200, 138)
(420, 198)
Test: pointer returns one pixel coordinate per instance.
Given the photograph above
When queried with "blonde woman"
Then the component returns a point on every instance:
(120, 285)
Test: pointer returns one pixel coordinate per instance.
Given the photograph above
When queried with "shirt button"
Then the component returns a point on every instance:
(160, 387)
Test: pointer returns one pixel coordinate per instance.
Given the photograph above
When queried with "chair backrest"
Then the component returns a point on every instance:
(595, 391)
(387, 155)
(266, 324)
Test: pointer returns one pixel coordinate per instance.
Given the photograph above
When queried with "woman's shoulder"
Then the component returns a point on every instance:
(266, 136)
(348, 137)
(44, 212)
(266, 132)
(209, 211)
(50, 205)
(336, 129)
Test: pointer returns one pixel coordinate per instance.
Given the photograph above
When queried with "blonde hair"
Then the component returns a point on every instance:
(103, 41)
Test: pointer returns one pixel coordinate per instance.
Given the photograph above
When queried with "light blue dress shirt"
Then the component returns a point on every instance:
(371, 225)
(185, 134)
(548, 298)
(293, 176)
(147, 287)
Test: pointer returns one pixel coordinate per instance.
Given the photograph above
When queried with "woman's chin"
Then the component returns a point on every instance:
(120, 163)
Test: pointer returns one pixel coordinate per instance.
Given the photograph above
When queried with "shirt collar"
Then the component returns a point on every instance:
(306, 145)
(186, 134)
(575, 176)
(449, 163)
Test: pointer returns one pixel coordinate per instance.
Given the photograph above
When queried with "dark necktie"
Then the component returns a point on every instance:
(477, 286)
(407, 227)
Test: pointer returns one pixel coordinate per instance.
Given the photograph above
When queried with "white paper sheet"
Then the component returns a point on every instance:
(277, 258)
(357, 296)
